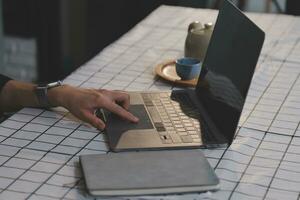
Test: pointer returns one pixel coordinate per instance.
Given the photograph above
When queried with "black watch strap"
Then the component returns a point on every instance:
(41, 92)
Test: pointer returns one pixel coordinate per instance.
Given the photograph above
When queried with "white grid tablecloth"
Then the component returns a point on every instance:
(39, 149)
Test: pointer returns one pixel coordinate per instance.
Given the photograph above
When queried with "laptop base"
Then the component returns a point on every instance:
(178, 128)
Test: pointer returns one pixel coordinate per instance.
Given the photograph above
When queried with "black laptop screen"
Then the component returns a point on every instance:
(228, 68)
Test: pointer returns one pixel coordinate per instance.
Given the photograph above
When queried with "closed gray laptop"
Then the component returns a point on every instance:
(208, 115)
(148, 172)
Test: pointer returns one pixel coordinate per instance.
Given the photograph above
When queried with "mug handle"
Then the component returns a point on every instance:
(195, 24)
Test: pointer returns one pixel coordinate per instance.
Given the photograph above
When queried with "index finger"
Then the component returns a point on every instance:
(122, 98)
(115, 108)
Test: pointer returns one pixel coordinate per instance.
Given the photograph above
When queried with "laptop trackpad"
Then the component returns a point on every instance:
(116, 122)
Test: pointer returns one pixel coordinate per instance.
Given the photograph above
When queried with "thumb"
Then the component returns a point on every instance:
(93, 120)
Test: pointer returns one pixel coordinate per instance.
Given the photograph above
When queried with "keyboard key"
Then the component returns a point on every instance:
(170, 128)
(177, 122)
(197, 140)
(184, 117)
(159, 126)
(180, 130)
(176, 138)
(188, 124)
(168, 124)
(182, 133)
(167, 141)
(171, 132)
(186, 138)
(195, 136)
(178, 126)
(193, 132)
(164, 95)
(165, 118)
(190, 128)
(160, 129)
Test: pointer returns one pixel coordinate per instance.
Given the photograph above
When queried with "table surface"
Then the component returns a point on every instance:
(39, 149)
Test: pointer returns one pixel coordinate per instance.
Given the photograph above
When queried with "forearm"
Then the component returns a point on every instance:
(82, 103)
(16, 95)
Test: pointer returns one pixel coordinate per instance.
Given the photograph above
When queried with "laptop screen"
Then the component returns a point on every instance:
(228, 68)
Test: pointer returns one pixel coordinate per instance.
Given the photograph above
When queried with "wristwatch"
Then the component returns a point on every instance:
(41, 93)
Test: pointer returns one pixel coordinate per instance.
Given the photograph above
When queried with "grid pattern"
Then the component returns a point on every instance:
(39, 149)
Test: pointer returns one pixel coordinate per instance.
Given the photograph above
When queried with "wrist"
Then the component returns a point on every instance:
(57, 96)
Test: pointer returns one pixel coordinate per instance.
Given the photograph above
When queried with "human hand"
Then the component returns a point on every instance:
(83, 102)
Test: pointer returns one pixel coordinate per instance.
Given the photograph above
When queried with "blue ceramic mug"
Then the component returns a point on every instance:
(188, 68)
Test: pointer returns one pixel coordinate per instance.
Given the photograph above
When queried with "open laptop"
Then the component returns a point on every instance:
(208, 115)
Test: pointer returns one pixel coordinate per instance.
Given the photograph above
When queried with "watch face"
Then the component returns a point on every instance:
(49, 85)
(54, 84)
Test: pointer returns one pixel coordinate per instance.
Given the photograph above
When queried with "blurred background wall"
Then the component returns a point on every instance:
(45, 40)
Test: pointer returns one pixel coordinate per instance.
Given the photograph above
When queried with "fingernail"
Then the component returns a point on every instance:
(136, 119)
(101, 127)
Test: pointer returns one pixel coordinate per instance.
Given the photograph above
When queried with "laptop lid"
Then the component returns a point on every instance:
(228, 68)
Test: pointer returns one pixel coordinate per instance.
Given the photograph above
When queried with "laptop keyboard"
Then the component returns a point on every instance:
(176, 119)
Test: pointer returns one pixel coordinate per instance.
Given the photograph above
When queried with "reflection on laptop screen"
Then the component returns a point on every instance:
(228, 68)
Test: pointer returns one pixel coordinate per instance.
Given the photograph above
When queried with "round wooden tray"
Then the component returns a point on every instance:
(167, 71)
